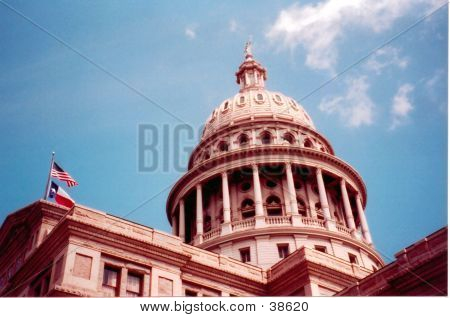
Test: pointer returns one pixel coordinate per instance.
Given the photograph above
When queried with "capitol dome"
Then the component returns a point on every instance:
(263, 182)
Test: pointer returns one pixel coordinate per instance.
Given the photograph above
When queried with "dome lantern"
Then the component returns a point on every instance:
(251, 74)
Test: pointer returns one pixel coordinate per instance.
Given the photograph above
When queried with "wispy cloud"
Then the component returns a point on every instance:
(355, 108)
(318, 27)
(190, 33)
(387, 56)
(233, 26)
(401, 105)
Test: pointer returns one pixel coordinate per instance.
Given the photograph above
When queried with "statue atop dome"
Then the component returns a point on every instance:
(248, 49)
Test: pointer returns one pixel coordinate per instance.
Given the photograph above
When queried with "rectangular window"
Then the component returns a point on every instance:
(245, 254)
(352, 258)
(320, 248)
(134, 285)
(111, 279)
(283, 250)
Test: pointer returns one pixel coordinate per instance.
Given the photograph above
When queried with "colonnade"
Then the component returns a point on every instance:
(179, 226)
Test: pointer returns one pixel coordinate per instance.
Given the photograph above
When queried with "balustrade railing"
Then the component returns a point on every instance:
(343, 229)
(211, 234)
(278, 220)
(243, 224)
(312, 222)
(282, 220)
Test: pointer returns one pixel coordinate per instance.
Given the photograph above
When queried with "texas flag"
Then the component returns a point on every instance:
(61, 196)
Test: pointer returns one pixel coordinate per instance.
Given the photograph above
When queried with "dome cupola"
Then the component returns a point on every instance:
(251, 75)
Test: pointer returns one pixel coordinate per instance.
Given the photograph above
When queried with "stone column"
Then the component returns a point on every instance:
(199, 214)
(347, 208)
(291, 189)
(296, 219)
(226, 199)
(362, 220)
(323, 199)
(259, 210)
(174, 224)
(182, 227)
(226, 226)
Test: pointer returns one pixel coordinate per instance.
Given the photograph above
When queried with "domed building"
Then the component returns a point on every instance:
(263, 182)
(265, 209)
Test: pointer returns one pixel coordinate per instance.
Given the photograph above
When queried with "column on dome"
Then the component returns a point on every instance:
(259, 210)
(362, 220)
(226, 199)
(181, 217)
(347, 208)
(291, 188)
(226, 226)
(323, 199)
(199, 214)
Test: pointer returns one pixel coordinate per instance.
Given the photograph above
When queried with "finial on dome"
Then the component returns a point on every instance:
(251, 74)
(248, 48)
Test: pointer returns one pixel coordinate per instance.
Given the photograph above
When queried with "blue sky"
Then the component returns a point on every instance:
(386, 116)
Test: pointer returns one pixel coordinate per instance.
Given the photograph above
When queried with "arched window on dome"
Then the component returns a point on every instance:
(243, 140)
(273, 206)
(223, 146)
(301, 207)
(266, 138)
(247, 208)
(206, 155)
(226, 106)
(308, 143)
(278, 99)
(289, 138)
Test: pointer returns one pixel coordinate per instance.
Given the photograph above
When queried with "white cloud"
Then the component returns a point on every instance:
(401, 105)
(317, 27)
(356, 108)
(233, 26)
(190, 32)
(387, 56)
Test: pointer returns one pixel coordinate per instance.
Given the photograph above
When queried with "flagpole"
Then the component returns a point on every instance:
(47, 186)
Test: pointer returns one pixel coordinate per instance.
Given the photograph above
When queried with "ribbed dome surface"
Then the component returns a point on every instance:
(256, 104)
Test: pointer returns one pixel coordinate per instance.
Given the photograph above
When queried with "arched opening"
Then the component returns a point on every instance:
(301, 207)
(288, 138)
(266, 138)
(273, 206)
(308, 143)
(243, 140)
(226, 106)
(223, 146)
(247, 208)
